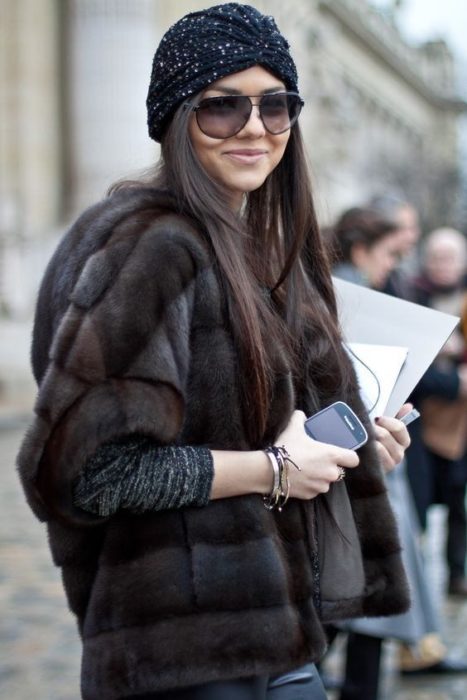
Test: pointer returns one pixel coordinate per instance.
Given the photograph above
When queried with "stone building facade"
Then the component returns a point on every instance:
(73, 77)
(384, 114)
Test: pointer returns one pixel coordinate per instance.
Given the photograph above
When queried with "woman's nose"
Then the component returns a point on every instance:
(254, 126)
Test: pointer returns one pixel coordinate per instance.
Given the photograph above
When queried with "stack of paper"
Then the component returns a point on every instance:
(378, 368)
(402, 339)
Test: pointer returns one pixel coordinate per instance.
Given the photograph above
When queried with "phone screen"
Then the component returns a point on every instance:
(337, 425)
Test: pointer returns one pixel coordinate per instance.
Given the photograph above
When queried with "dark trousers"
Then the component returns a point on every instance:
(456, 542)
(434, 479)
(450, 489)
(306, 685)
(362, 667)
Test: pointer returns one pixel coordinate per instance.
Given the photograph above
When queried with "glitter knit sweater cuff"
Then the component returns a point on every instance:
(137, 475)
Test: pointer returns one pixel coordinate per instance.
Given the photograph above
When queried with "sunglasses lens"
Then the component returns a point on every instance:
(280, 112)
(221, 117)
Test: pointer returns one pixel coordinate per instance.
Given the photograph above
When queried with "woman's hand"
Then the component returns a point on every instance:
(320, 464)
(392, 438)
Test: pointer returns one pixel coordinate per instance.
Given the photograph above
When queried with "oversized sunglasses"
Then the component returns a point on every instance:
(224, 116)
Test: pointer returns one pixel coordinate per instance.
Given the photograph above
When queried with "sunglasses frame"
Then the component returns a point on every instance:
(197, 107)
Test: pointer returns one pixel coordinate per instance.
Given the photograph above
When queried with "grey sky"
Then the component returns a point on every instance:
(421, 20)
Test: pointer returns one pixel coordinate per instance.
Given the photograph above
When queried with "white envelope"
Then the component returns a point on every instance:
(371, 317)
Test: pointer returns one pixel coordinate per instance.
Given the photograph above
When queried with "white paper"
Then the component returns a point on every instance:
(371, 317)
(377, 368)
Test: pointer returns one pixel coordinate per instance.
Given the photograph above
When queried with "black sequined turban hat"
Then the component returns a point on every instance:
(210, 44)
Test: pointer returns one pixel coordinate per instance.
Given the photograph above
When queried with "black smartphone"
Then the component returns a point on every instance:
(337, 425)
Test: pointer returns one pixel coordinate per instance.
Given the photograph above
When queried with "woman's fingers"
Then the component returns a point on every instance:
(392, 446)
(390, 457)
(392, 439)
(396, 429)
(344, 457)
(321, 465)
(406, 408)
(387, 461)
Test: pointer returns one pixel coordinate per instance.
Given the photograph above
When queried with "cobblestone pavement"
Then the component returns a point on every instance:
(39, 646)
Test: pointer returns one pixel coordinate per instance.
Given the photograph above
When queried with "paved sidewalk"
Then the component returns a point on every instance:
(17, 387)
(39, 646)
(454, 622)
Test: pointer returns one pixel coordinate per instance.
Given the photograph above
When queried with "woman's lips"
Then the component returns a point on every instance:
(245, 156)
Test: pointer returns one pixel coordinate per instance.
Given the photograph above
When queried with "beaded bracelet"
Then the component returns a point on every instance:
(280, 460)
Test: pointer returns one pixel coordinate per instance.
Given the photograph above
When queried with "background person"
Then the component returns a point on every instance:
(365, 248)
(443, 385)
(404, 214)
(442, 396)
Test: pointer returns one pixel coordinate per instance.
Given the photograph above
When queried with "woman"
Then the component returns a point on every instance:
(184, 330)
(365, 247)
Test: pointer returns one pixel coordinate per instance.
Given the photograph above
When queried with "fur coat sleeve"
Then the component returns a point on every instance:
(120, 355)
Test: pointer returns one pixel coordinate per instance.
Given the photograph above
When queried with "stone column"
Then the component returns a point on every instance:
(29, 138)
(111, 44)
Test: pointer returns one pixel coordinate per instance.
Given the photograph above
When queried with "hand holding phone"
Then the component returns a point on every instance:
(320, 463)
(337, 425)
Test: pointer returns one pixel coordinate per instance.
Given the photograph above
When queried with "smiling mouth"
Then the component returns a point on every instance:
(245, 156)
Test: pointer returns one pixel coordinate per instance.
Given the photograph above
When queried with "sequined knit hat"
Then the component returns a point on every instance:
(210, 44)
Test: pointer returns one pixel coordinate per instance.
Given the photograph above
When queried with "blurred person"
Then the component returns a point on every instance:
(442, 396)
(365, 248)
(445, 259)
(405, 216)
(185, 328)
(443, 385)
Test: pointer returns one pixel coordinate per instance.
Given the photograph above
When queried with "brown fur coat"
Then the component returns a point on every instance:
(132, 336)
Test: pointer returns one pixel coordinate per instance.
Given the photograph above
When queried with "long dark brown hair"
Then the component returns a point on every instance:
(273, 264)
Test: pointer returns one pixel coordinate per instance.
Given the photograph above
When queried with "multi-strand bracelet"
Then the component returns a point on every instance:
(280, 460)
